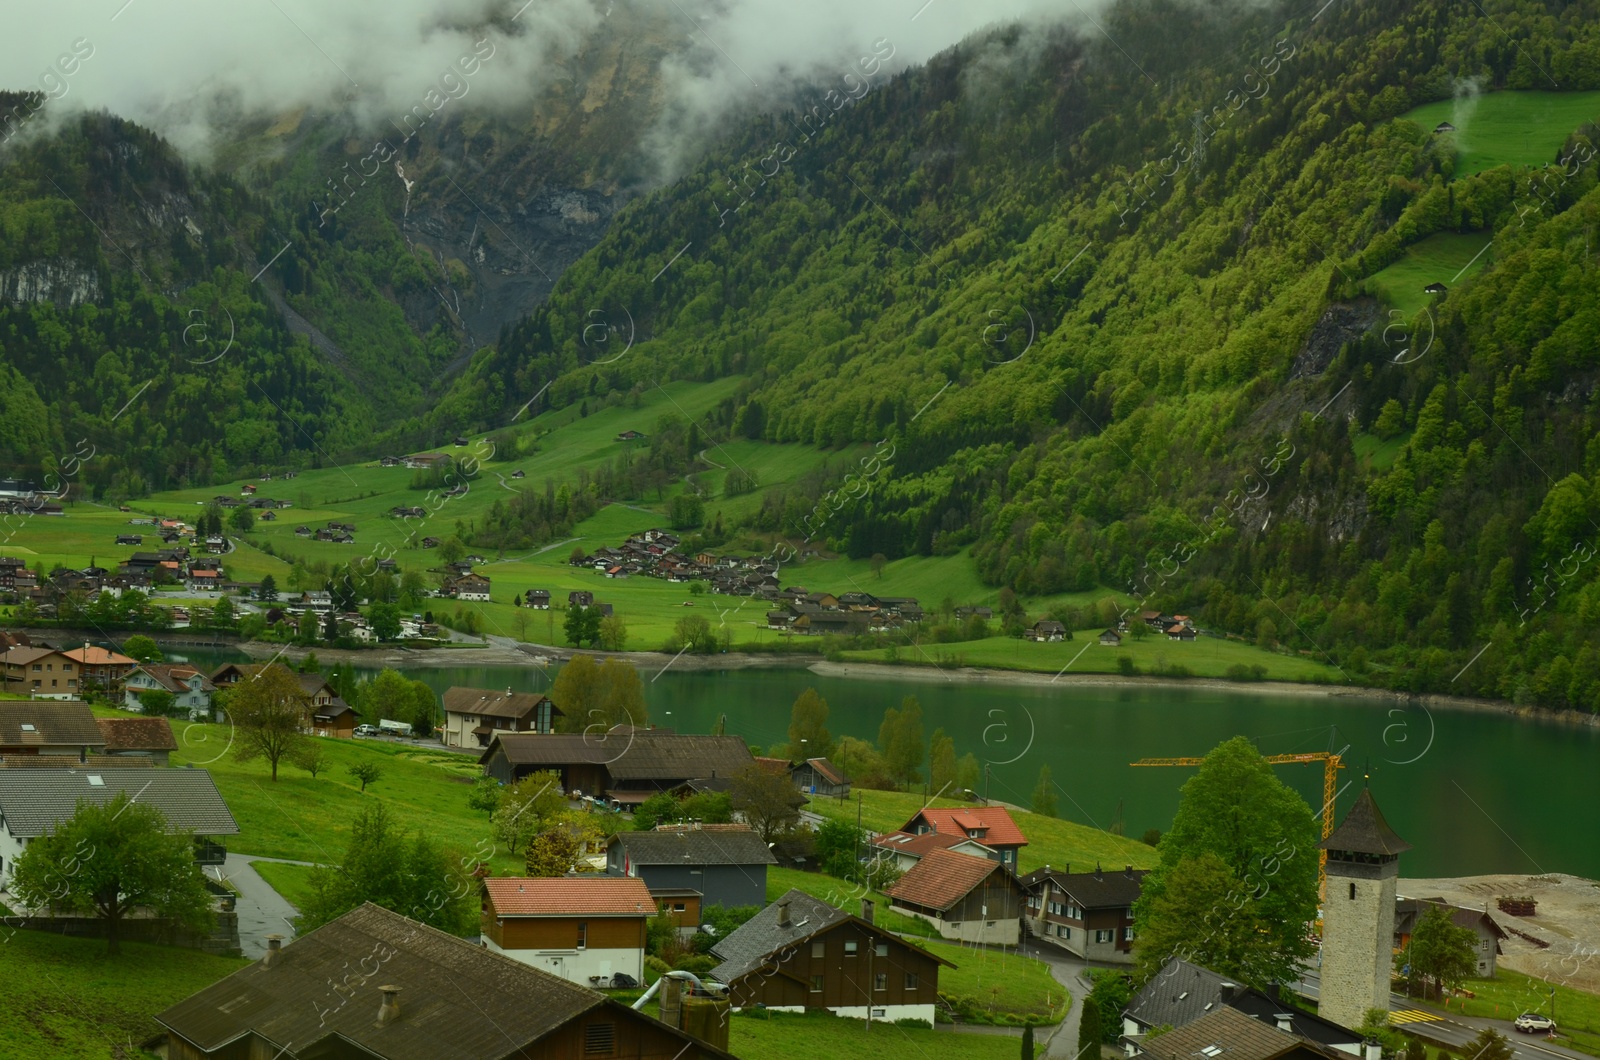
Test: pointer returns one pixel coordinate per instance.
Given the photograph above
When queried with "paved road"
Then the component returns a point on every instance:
(1454, 1029)
(262, 911)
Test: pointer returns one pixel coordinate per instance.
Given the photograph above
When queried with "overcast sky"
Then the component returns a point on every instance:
(169, 63)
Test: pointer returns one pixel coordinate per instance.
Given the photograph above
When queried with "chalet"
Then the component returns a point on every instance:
(630, 436)
(1089, 914)
(389, 461)
(147, 738)
(856, 601)
(519, 473)
(966, 898)
(315, 600)
(904, 849)
(467, 587)
(248, 489)
(818, 776)
(726, 864)
(130, 539)
(401, 511)
(990, 825)
(269, 517)
(430, 542)
(905, 607)
(428, 994)
(190, 688)
(985, 613)
(1110, 638)
(800, 953)
(388, 566)
(428, 461)
(35, 728)
(1443, 127)
(1180, 631)
(1435, 288)
(473, 716)
(1047, 629)
(580, 598)
(583, 929)
(43, 673)
(780, 620)
(204, 581)
(1408, 913)
(302, 531)
(33, 801)
(624, 765)
(1229, 1032)
(326, 713)
(1184, 994)
(539, 599)
(10, 567)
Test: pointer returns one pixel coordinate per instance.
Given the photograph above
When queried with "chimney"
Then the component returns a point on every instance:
(389, 1010)
(1273, 989)
(1097, 873)
(274, 947)
(1129, 872)
(868, 910)
(1373, 1051)
(1227, 990)
(1285, 1021)
(783, 913)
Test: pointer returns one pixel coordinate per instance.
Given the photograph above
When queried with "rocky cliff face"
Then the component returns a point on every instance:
(63, 282)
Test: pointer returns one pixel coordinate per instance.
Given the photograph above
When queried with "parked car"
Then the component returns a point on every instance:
(1533, 1022)
(367, 730)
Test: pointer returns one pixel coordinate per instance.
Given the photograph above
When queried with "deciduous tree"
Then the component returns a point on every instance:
(901, 742)
(766, 799)
(594, 696)
(1044, 794)
(1440, 954)
(141, 649)
(366, 773)
(268, 712)
(808, 727)
(527, 806)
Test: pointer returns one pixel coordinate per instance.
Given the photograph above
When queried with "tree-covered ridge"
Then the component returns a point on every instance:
(1199, 332)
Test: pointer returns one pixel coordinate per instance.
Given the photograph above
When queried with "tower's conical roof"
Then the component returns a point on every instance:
(1364, 831)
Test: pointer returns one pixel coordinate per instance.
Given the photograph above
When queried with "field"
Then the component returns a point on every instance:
(1051, 841)
(1204, 656)
(68, 999)
(786, 1036)
(1576, 1012)
(1377, 454)
(293, 882)
(1444, 257)
(999, 982)
(1519, 128)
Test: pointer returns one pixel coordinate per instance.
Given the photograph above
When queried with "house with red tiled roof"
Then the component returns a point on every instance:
(100, 667)
(990, 825)
(586, 929)
(905, 849)
(966, 898)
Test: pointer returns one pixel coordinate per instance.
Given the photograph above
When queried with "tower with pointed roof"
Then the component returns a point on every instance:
(1358, 913)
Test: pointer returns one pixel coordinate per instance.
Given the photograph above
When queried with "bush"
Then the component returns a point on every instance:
(913, 1022)
(1242, 672)
(657, 965)
(697, 964)
(1126, 667)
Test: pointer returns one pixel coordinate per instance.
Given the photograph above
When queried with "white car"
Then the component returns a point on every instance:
(1532, 1022)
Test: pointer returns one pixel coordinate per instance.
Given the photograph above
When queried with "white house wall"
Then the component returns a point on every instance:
(576, 965)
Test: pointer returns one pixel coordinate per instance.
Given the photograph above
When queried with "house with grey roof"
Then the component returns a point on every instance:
(800, 953)
(1408, 913)
(32, 801)
(411, 992)
(1182, 993)
(49, 727)
(1086, 913)
(726, 864)
(1227, 1032)
(625, 765)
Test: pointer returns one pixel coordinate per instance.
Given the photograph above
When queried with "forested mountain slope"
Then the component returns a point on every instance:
(1104, 295)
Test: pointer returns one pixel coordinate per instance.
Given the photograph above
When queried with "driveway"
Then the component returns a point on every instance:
(262, 910)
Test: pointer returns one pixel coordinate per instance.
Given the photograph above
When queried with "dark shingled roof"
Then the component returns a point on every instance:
(31, 800)
(748, 947)
(1237, 1036)
(456, 998)
(696, 847)
(1182, 993)
(1109, 889)
(492, 703)
(137, 734)
(92, 763)
(1364, 831)
(54, 723)
(636, 754)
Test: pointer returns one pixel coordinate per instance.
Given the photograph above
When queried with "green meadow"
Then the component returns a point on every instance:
(1515, 128)
(1444, 257)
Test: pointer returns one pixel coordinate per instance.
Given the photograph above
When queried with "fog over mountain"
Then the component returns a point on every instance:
(190, 69)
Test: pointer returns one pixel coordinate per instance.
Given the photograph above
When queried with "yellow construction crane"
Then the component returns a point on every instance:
(1330, 787)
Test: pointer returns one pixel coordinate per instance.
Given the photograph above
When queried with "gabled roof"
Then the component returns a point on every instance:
(174, 676)
(748, 947)
(90, 763)
(92, 656)
(1109, 889)
(1182, 993)
(918, 845)
(694, 847)
(24, 656)
(1364, 831)
(637, 754)
(137, 734)
(456, 998)
(1224, 1034)
(993, 823)
(942, 878)
(492, 703)
(53, 724)
(1408, 912)
(826, 770)
(569, 896)
(32, 800)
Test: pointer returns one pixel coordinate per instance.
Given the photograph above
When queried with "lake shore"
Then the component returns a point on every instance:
(504, 652)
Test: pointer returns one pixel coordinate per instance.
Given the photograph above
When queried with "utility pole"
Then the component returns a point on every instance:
(986, 783)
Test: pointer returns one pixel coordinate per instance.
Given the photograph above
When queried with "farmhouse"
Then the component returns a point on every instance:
(148, 738)
(1110, 638)
(582, 929)
(472, 716)
(466, 587)
(623, 765)
(1408, 912)
(904, 849)
(726, 864)
(801, 953)
(427, 461)
(32, 801)
(427, 994)
(818, 776)
(39, 728)
(966, 898)
(1047, 629)
(539, 599)
(41, 672)
(1086, 913)
(990, 825)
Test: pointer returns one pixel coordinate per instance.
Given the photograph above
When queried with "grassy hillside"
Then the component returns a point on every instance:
(785, 1036)
(1444, 257)
(67, 999)
(1508, 128)
(1051, 841)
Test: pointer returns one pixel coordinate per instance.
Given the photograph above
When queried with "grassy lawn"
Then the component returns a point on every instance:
(1377, 454)
(1050, 841)
(843, 895)
(1520, 128)
(1000, 982)
(1576, 1012)
(68, 999)
(786, 1036)
(1204, 656)
(1444, 257)
(293, 882)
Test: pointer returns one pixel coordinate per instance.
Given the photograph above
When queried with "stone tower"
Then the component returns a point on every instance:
(1358, 913)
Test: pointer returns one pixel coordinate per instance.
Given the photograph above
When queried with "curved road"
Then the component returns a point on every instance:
(262, 910)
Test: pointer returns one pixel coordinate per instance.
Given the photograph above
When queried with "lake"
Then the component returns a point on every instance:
(1473, 792)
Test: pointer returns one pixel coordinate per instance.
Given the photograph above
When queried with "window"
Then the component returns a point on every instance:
(879, 1013)
(583, 934)
(1352, 892)
(66, 667)
(677, 907)
(850, 947)
(819, 949)
(881, 949)
(880, 981)
(1062, 931)
(600, 1039)
(1073, 912)
(37, 667)
(816, 984)
(911, 980)
(1104, 936)
(1127, 934)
